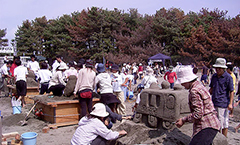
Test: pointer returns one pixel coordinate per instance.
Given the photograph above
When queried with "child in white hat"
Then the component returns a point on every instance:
(92, 130)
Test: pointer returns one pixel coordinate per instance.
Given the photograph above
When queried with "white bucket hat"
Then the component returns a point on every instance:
(185, 74)
(63, 66)
(99, 109)
(220, 62)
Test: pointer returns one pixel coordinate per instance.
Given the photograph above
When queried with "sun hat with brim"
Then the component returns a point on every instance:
(63, 66)
(99, 109)
(185, 74)
(115, 67)
(220, 63)
(100, 68)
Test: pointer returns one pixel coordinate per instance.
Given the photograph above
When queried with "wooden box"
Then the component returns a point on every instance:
(61, 113)
(31, 92)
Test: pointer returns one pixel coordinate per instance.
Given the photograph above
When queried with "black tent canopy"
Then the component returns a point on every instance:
(159, 58)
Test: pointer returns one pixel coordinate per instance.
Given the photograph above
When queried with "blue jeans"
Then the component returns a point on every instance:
(171, 85)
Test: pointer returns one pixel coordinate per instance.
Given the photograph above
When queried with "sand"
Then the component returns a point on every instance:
(63, 135)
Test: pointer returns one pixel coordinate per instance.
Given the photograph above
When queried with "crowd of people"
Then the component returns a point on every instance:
(210, 109)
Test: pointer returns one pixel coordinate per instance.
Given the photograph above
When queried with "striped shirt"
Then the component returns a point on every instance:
(203, 114)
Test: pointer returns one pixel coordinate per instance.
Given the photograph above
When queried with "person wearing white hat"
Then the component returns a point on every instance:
(221, 88)
(149, 78)
(92, 129)
(203, 114)
(124, 68)
(57, 83)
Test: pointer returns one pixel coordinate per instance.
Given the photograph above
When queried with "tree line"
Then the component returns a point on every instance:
(131, 37)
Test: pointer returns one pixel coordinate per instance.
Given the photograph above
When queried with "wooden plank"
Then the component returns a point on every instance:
(67, 113)
(62, 102)
(55, 125)
(8, 135)
(28, 88)
(69, 101)
(32, 88)
(49, 112)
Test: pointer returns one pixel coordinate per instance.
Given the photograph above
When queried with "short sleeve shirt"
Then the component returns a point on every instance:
(4, 70)
(116, 82)
(20, 73)
(221, 86)
(33, 65)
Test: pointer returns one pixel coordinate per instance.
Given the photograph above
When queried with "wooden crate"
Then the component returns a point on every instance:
(62, 113)
(31, 92)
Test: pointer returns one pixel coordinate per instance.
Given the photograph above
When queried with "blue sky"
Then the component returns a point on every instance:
(14, 12)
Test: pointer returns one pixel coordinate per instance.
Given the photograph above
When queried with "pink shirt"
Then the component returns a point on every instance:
(170, 76)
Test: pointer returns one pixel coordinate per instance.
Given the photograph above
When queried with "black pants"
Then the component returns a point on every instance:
(204, 137)
(85, 104)
(44, 88)
(57, 89)
(99, 141)
(21, 87)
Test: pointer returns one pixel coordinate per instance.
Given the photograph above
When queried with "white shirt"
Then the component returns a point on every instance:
(148, 80)
(89, 129)
(138, 98)
(104, 81)
(235, 69)
(71, 71)
(57, 79)
(20, 73)
(33, 65)
(54, 66)
(130, 77)
(116, 82)
(134, 69)
(45, 75)
(4, 69)
(123, 69)
(128, 66)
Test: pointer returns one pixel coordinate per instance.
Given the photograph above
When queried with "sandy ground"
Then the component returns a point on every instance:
(63, 135)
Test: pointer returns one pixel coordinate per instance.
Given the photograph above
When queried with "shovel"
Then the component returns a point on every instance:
(24, 122)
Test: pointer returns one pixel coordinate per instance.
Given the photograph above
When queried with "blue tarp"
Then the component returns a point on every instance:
(160, 58)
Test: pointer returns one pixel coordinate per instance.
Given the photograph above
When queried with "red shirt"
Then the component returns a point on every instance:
(140, 68)
(170, 76)
(12, 69)
(203, 114)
